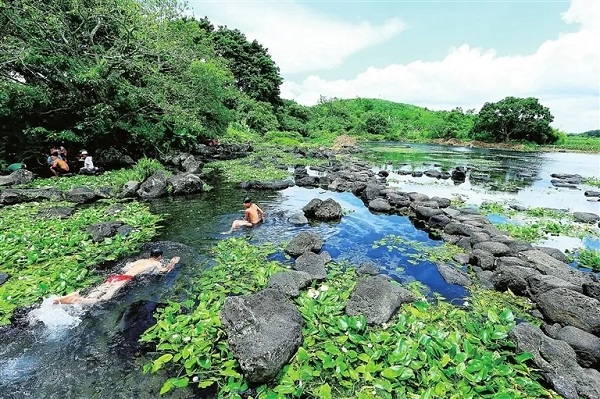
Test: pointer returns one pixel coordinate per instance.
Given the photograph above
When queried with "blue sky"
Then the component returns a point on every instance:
(437, 54)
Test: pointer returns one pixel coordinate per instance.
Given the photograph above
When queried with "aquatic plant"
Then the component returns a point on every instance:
(427, 350)
(45, 256)
(418, 251)
(592, 181)
(589, 258)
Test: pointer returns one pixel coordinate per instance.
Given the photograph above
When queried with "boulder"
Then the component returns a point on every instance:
(433, 173)
(304, 242)
(372, 191)
(58, 212)
(555, 253)
(417, 197)
(479, 236)
(586, 345)
(380, 205)
(368, 269)
(464, 243)
(398, 200)
(442, 202)
(19, 176)
(264, 330)
(459, 174)
(514, 278)
(592, 193)
(592, 289)
(290, 282)
(298, 219)
(3, 278)
(495, 248)
(565, 306)
(191, 165)
(483, 259)
(268, 185)
(557, 362)
(185, 184)
(323, 210)
(129, 189)
(102, 230)
(547, 264)
(519, 246)
(462, 259)
(452, 275)
(540, 283)
(155, 186)
(456, 228)
(312, 264)
(81, 195)
(438, 221)
(585, 217)
(425, 213)
(377, 298)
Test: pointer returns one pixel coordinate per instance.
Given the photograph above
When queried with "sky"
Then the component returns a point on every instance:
(438, 54)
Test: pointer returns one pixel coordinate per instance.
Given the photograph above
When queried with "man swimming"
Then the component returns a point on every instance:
(115, 282)
(253, 215)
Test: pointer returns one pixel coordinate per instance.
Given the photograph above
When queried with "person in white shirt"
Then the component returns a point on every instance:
(88, 164)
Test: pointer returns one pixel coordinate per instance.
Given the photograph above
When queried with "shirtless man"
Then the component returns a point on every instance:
(253, 215)
(115, 282)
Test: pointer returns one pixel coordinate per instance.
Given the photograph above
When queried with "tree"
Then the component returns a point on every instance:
(515, 119)
(106, 73)
(253, 68)
(376, 123)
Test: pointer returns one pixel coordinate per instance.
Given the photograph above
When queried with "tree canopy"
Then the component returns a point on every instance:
(515, 119)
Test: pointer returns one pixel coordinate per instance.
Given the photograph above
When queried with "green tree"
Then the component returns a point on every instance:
(515, 119)
(105, 73)
(254, 70)
(255, 115)
(293, 117)
(376, 123)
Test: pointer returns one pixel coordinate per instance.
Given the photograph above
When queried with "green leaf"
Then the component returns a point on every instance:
(324, 391)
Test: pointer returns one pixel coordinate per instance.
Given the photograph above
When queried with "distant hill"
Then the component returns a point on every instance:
(589, 133)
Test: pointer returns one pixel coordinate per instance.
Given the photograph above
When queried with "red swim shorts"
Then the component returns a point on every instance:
(113, 278)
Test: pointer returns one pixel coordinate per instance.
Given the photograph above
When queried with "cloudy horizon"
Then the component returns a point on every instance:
(438, 54)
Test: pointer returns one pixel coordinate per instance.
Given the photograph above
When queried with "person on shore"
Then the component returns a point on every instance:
(115, 282)
(88, 164)
(54, 149)
(253, 215)
(58, 165)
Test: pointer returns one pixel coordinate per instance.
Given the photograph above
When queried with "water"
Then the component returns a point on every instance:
(93, 352)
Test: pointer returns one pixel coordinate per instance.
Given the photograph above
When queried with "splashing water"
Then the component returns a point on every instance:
(56, 317)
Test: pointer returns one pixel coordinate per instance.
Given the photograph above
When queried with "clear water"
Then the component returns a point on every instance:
(93, 353)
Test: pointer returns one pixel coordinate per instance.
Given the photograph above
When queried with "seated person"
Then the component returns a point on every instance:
(54, 149)
(115, 282)
(58, 165)
(88, 164)
(253, 215)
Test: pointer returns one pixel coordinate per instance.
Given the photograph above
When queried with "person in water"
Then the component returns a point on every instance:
(253, 215)
(115, 282)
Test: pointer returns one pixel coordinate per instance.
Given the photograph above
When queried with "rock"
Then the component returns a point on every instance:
(438, 221)
(185, 184)
(451, 212)
(561, 183)
(452, 275)
(383, 173)
(519, 246)
(312, 264)
(425, 213)
(442, 202)
(398, 200)
(100, 231)
(326, 256)
(586, 345)
(380, 205)
(514, 278)
(495, 248)
(81, 195)
(290, 282)
(591, 289)
(416, 173)
(368, 269)
(483, 259)
(459, 174)
(586, 217)
(433, 173)
(129, 189)
(3, 278)
(191, 165)
(323, 210)
(155, 186)
(112, 157)
(456, 228)
(479, 236)
(417, 197)
(372, 191)
(298, 219)
(264, 330)
(19, 176)
(546, 264)
(510, 261)
(59, 212)
(592, 193)
(518, 207)
(303, 242)
(565, 306)
(557, 362)
(555, 253)
(124, 230)
(540, 283)
(268, 185)
(464, 243)
(377, 298)
(114, 209)
(462, 259)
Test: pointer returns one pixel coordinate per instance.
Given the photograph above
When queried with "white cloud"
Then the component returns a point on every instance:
(298, 38)
(563, 73)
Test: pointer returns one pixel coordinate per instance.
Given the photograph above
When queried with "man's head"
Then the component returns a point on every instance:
(55, 154)
(247, 202)
(156, 253)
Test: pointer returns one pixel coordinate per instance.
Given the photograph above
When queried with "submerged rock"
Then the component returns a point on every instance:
(323, 210)
(303, 242)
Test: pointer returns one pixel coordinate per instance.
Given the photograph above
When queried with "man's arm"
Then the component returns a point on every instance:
(170, 265)
(261, 214)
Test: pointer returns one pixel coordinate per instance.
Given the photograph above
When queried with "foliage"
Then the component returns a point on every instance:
(256, 115)
(427, 350)
(376, 123)
(47, 256)
(592, 181)
(416, 250)
(287, 139)
(515, 119)
(483, 299)
(242, 170)
(102, 73)
(589, 258)
(293, 117)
